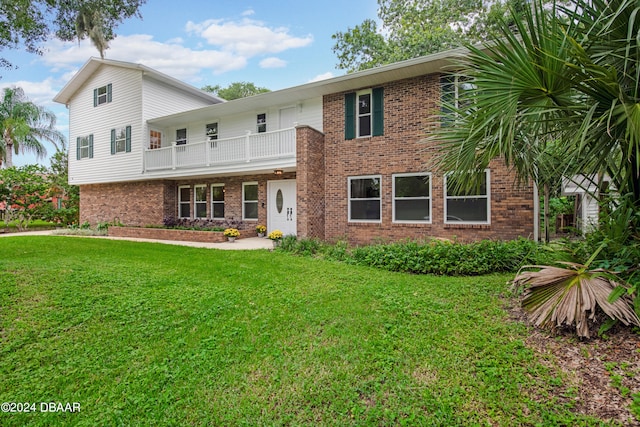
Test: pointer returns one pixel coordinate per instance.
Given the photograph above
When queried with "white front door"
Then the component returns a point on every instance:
(282, 206)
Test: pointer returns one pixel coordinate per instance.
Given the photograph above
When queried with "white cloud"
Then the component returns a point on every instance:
(170, 57)
(247, 38)
(324, 76)
(273, 62)
(39, 93)
(248, 12)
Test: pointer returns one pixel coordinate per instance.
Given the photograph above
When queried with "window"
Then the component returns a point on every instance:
(468, 207)
(200, 201)
(155, 139)
(365, 204)
(84, 147)
(249, 200)
(262, 123)
(121, 140)
(412, 198)
(364, 113)
(184, 201)
(102, 95)
(217, 201)
(181, 136)
(212, 131)
(451, 88)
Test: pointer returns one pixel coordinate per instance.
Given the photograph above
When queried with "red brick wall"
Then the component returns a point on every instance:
(137, 203)
(408, 106)
(310, 176)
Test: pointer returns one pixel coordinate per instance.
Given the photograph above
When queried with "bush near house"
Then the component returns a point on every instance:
(430, 256)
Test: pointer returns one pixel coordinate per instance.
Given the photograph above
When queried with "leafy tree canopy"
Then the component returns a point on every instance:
(409, 29)
(29, 23)
(235, 90)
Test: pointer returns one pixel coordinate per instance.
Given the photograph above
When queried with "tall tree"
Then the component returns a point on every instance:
(29, 23)
(414, 28)
(23, 125)
(570, 78)
(235, 90)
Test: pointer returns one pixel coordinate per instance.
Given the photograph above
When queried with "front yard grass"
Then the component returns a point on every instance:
(152, 334)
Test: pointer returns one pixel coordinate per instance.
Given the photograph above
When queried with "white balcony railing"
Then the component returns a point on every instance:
(249, 148)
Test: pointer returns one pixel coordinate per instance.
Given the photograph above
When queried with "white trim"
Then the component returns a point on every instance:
(430, 198)
(213, 201)
(244, 184)
(349, 199)
(196, 202)
(180, 202)
(488, 197)
(370, 114)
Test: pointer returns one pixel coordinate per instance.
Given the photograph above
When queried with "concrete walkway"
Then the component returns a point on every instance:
(248, 243)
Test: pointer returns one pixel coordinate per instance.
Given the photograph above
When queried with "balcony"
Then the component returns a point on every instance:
(251, 148)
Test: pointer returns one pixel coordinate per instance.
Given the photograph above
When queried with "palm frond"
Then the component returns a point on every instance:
(569, 295)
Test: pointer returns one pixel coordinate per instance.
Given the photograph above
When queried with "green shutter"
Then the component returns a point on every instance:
(128, 140)
(378, 111)
(95, 97)
(349, 116)
(78, 148)
(109, 92)
(91, 146)
(113, 141)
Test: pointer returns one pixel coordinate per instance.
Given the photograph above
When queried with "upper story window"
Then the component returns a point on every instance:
(181, 136)
(262, 123)
(212, 131)
(451, 90)
(364, 113)
(102, 95)
(155, 139)
(468, 207)
(84, 147)
(365, 203)
(412, 198)
(121, 140)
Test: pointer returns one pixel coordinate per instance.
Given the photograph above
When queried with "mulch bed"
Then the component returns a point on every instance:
(600, 374)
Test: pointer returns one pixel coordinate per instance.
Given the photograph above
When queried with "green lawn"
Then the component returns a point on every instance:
(151, 334)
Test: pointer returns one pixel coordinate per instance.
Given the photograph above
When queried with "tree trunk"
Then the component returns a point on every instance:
(546, 213)
(8, 148)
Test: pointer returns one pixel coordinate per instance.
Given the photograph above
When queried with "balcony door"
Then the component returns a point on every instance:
(281, 199)
(287, 117)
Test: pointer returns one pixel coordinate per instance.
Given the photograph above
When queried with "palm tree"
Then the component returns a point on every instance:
(568, 78)
(559, 98)
(23, 125)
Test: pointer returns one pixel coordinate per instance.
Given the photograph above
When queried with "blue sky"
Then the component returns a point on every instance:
(274, 44)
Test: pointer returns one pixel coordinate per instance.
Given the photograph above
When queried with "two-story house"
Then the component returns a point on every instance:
(339, 158)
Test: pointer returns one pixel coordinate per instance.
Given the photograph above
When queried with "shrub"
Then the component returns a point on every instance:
(430, 257)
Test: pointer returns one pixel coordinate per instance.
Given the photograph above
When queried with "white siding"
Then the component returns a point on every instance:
(85, 119)
(307, 113)
(134, 100)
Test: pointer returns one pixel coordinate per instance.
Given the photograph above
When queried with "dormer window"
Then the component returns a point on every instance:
(102, 95)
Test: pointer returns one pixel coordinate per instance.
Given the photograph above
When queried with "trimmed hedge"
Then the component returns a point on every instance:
(430, 257)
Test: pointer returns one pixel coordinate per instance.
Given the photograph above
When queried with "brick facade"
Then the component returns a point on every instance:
(310, 178)
(408, 106)
(325, 161)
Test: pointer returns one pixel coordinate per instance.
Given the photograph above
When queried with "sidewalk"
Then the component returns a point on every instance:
(249, 243)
